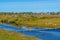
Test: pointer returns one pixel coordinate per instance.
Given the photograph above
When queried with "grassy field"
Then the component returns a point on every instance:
(10, 35)
(31, 20)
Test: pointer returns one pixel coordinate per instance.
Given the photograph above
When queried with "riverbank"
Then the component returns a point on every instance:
(10, 35)
(31, 20)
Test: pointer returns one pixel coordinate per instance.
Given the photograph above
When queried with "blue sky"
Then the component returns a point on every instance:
(29, 5)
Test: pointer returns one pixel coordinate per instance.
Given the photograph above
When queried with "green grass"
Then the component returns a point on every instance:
(10, 35)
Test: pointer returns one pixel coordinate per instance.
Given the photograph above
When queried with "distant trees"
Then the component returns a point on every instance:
(54, 13)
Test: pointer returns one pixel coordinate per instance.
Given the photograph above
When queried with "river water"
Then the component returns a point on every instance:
(41, 33)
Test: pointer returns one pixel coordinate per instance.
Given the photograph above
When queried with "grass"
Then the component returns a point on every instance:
(46, 21)
(10, 35)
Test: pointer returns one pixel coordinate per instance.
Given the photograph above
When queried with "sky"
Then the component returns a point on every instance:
(29, 5)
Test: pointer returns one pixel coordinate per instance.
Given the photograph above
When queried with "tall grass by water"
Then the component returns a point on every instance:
(29, 19)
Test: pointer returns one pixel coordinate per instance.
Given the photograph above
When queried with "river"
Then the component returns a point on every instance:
(42, 33)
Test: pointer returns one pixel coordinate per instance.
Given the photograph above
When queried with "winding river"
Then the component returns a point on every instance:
(42, 33)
